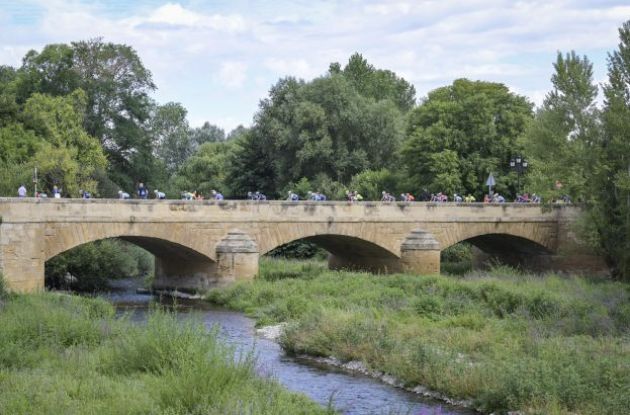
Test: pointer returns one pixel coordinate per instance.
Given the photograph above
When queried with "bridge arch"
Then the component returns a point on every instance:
(511, 244)
(181, 261)
(529, 236)
(155, 237)
(348, 248)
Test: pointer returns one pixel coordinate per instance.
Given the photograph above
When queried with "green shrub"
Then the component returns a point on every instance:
(461, 252)
(298, 250)
(4, 292)
(428, 305)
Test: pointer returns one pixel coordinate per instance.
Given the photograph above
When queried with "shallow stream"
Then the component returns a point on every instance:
(350, 393)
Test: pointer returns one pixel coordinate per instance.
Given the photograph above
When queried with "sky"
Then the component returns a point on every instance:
(220, 58)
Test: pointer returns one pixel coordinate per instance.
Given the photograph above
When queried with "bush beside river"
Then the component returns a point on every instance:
(508, 341)
(62, 354)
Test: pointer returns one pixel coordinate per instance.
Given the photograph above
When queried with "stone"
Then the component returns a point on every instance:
(202, 244)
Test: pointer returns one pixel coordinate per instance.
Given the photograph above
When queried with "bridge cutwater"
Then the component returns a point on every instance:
(202, 244)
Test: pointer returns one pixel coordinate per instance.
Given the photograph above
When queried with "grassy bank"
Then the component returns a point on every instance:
(508, 341)
(63, 354)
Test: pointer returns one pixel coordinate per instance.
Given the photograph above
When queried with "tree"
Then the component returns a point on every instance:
(463, 132)
(560, 142)
(251, 167)
(611, 187)
(205, 170)
(207, 133)
(48, 134)
(171, 135)
(377, 84)
(117, 107)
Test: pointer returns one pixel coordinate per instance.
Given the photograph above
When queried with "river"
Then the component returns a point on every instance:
(350, 393)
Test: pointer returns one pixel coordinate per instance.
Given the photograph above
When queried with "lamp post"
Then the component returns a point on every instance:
(35, 180)
(519, 165)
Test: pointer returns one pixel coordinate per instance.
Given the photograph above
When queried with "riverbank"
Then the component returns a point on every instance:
(68, 354)
(506, 341)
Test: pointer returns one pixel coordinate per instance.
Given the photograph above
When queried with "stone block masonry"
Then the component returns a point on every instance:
(202, 244)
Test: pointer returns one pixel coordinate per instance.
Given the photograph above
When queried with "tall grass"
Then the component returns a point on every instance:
(507, 340)
(69, 355)
(3, 287)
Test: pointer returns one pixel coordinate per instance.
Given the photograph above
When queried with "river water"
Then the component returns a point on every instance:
(350, 394)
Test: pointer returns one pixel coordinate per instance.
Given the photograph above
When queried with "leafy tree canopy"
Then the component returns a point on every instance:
(461, 133)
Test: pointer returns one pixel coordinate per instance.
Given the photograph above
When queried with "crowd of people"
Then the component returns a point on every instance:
(352, 196)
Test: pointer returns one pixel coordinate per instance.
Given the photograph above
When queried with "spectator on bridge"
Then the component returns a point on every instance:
(56, 192)
(216, 195)
(22, 191)
(457, 198)
(486, 198)
(469, 198)
(159, 195)
(387, 197)
(259, 196)
(566, 199)
(316, 196)
(85, 194)
(535, 198)
(142, 191)
(524, 198)
(354, 196)
(497, 198)
(186, 195)
(123, 195)
(293, 197)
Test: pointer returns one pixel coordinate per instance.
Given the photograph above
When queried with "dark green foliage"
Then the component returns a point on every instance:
(326, 130)
(456, 259)
(298, 250)
(611, 205)
(587, 151)
(560, 142)
(92, 265)
(208, 133)
(3, 288)
(116, 85)
(204, 171)
(463, 132)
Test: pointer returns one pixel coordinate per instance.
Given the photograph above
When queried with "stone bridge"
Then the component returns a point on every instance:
(201, 244)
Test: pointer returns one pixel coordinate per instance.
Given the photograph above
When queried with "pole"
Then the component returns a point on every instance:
(35, 181)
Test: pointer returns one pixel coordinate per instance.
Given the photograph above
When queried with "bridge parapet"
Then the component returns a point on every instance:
(192, 239)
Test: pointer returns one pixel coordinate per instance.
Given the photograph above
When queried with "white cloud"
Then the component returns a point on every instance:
(233, 74)
(175, 14)
(201, 53)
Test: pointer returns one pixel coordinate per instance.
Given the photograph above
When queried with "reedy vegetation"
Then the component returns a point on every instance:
(509, 341)
(67, 354)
